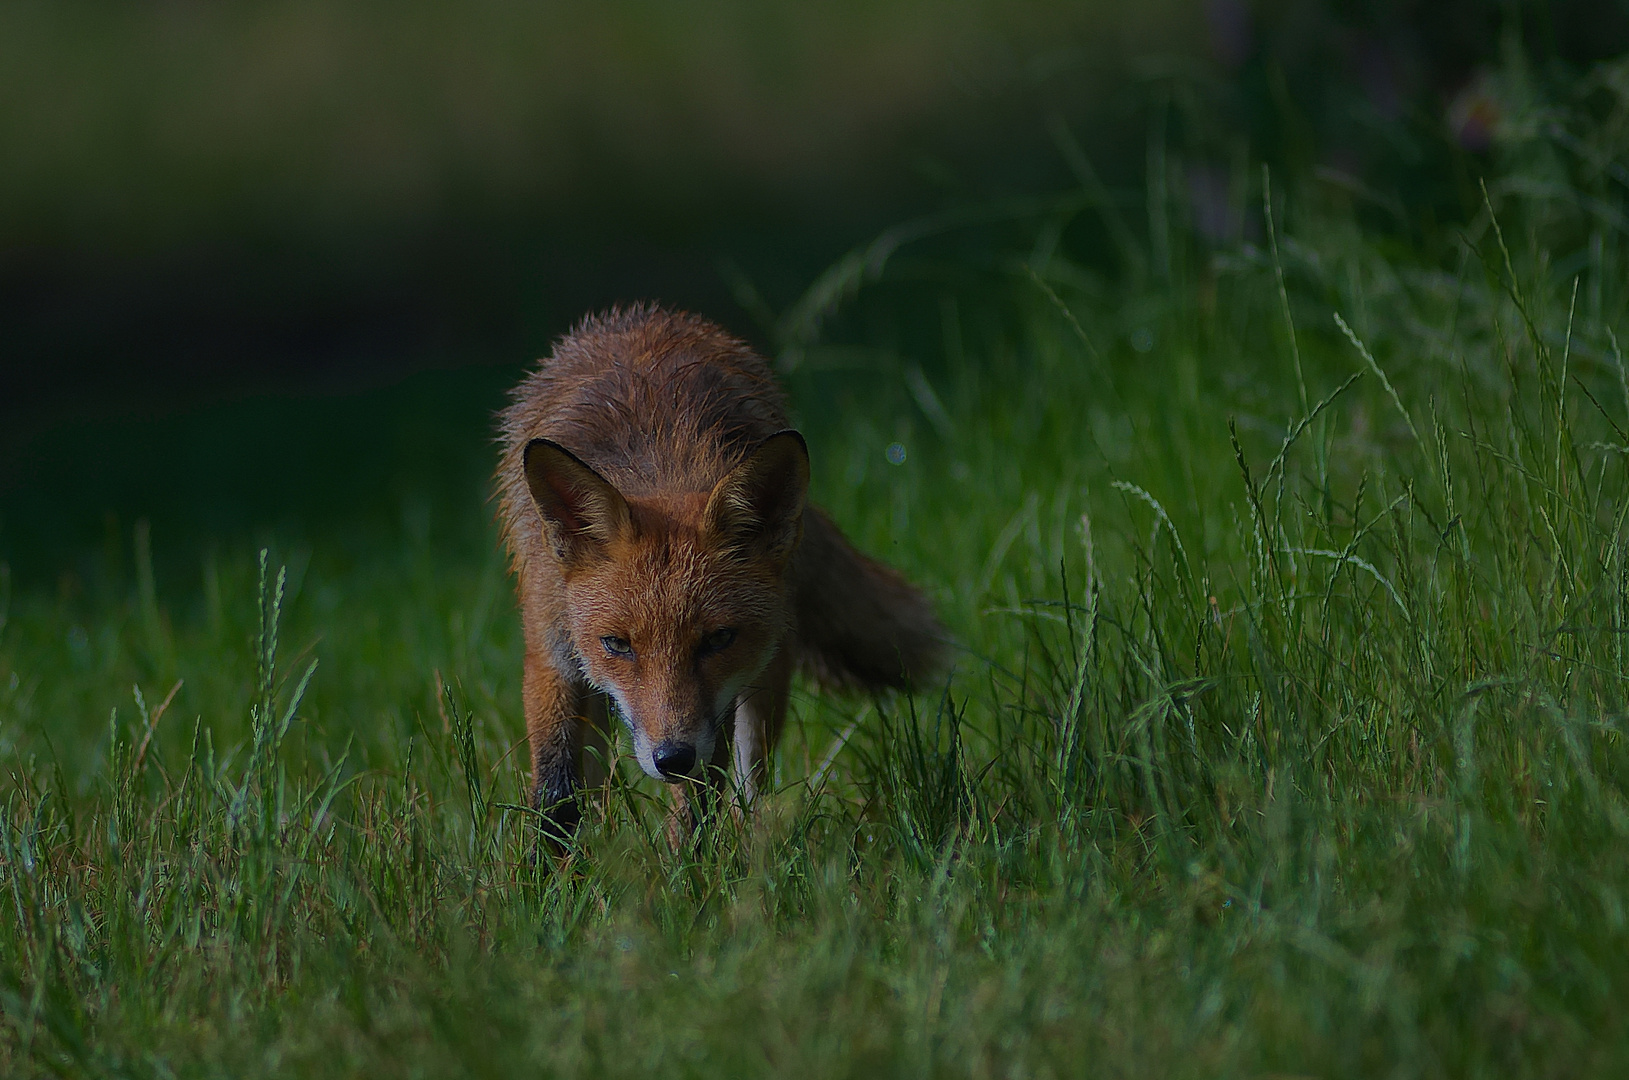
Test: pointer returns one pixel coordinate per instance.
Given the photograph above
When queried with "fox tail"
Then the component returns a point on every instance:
(860, 625)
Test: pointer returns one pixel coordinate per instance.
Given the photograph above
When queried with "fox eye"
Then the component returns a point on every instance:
(717, 641)
(617, 646)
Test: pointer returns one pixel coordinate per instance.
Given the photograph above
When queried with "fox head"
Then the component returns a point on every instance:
(675, 603)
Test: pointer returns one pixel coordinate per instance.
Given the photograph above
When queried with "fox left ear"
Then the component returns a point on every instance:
(759, 503)
(582, 512)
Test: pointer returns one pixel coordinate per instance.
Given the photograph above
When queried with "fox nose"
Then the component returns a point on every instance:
(674, 760)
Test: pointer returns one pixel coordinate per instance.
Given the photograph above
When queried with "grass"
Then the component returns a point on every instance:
(1286, 738)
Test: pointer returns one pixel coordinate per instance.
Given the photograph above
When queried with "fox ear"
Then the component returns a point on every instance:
(581, 511)
(759, 503)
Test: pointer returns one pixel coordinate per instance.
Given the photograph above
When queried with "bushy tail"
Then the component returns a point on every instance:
(860, 626)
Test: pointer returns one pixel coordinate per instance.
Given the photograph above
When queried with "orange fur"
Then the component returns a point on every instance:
(653, 504)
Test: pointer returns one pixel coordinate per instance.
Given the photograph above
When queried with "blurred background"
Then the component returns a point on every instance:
(270, 267)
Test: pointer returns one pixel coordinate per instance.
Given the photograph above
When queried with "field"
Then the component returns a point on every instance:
(1286, 735)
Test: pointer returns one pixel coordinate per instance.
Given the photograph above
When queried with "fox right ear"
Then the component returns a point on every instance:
(759, 504)
(582, 512)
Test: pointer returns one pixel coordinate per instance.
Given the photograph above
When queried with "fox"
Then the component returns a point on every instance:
(669, 568)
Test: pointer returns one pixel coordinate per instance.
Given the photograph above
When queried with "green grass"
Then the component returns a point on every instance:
(1286, 735)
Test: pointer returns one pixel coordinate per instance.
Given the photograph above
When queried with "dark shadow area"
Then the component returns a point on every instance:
(274, 271)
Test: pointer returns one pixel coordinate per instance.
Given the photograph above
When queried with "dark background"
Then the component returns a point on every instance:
(270, 267)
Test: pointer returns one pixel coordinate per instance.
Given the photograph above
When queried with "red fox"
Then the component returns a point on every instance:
(653, 503)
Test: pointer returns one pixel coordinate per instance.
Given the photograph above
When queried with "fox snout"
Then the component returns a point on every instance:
(676, 719)
(676, 755)
(674, 760)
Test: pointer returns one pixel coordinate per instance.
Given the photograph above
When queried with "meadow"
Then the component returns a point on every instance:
(1285, 735)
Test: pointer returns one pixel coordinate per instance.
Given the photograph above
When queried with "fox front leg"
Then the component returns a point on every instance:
(760, 714)
(557, 709)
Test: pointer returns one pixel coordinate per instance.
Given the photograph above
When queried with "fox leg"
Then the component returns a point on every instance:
(557, 709)
(760, 713)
